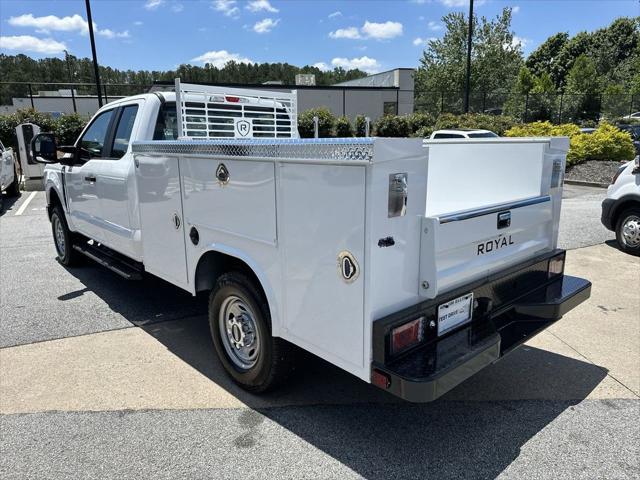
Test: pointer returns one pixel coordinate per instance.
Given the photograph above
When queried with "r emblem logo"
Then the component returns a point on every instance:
(243, 128)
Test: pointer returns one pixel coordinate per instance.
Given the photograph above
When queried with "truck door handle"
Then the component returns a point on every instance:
(90, 178)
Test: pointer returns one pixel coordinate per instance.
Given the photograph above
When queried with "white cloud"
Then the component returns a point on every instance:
(377, 31)
(51, 22)
(461, 3)
(366, 64)
(219, 58)
(322, 66)
(523, 42)
(261, 5)
(137, 23)
(177, 7)
(434, 26)
(515, 9)
(227, 7)
(107, 33)
(382, 31)
(74, 23)
(349, 32)
(335, 14)
(266, 25)
(423, 41)
(27, 43)
(153, 4)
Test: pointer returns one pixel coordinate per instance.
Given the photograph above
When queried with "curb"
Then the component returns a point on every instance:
(586, 184)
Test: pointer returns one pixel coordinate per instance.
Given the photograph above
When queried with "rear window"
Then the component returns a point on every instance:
(166, 123)
(448, 135)
(483, 135)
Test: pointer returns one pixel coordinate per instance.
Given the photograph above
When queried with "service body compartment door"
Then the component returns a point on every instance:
(321, 215)
(161, 217)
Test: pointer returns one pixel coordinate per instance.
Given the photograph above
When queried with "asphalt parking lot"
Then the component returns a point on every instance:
(103, 378)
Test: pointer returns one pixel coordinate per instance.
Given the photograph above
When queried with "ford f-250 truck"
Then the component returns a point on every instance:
(410, 264)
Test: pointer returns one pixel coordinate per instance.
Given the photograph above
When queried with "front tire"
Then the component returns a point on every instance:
(628, 231)
(240, 326)
(63, 239)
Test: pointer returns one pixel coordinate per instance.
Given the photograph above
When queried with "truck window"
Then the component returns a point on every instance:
(93, 139)
(123, 132)
(483, 135)
(447, 135)
(167, 123)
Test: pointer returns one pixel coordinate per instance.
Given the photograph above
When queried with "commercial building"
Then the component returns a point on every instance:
(388, 92)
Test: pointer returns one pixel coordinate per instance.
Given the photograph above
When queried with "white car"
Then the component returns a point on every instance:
(9, 177)
(621, 208)
(411, 264)
(633, 116)
(462, 133)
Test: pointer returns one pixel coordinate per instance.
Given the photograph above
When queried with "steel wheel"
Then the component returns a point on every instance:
(239, 332)
(58, 236)
(631, 231)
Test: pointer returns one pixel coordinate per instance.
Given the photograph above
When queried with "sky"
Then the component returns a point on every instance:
(371, 35)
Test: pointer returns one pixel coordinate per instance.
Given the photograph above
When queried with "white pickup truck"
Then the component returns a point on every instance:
(411, 264)
(9, 177)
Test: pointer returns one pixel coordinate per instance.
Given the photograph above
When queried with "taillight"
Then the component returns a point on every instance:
(232, 99)
(556, 266)
(407, 335)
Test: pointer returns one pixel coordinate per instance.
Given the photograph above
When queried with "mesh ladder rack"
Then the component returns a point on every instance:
(207, 111)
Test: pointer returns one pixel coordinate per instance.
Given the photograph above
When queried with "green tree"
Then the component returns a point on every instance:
(496, 58)
(583, 87)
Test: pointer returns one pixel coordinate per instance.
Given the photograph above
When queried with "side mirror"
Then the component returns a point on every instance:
(44, 148)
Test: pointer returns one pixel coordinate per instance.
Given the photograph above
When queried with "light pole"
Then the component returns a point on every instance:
(93, 52)
(467, 83)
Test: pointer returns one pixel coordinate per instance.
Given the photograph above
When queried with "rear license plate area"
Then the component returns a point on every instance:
(454, 313)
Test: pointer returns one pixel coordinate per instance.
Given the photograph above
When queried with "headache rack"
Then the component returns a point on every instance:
(208, 111)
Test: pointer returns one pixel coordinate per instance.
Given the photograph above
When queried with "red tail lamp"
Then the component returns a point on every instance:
(407, 335)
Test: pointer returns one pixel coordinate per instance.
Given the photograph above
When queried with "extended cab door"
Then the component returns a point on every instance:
(81, 180)
(116, 184)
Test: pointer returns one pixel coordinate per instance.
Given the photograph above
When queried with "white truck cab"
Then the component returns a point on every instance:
(621, 208)
(372, 253)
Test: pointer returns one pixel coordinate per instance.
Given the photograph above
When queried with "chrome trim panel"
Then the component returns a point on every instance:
(458, 216)
(330, 149)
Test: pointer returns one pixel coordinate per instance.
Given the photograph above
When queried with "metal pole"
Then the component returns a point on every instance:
(31, 96)
(93, 52)
(316, 127)
(73, 97)
(106, 99)
(560, 112)
(467, 82)
(367, 126)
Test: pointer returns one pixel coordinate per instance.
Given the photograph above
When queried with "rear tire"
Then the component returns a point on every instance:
(13, 190)
(240, 326)
(628, 231)
(64, 239)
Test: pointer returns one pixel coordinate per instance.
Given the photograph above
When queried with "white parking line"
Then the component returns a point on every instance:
(25, 204)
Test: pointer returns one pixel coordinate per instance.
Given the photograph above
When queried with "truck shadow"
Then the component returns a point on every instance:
(475, 431)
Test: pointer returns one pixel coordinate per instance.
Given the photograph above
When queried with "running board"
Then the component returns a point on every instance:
(110, 260)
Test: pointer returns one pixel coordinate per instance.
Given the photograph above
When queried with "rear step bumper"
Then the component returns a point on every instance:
(429, 371)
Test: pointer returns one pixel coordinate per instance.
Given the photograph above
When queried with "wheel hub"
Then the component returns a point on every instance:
(239, 332)
(631, 231)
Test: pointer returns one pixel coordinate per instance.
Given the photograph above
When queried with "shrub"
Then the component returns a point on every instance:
(496, 123)
(392, 126)
(326, 123)
(606, 143)
(8, 124)
(68, 127)
(420, 121)
(423, 132)
(361, 126)
(343, 127)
